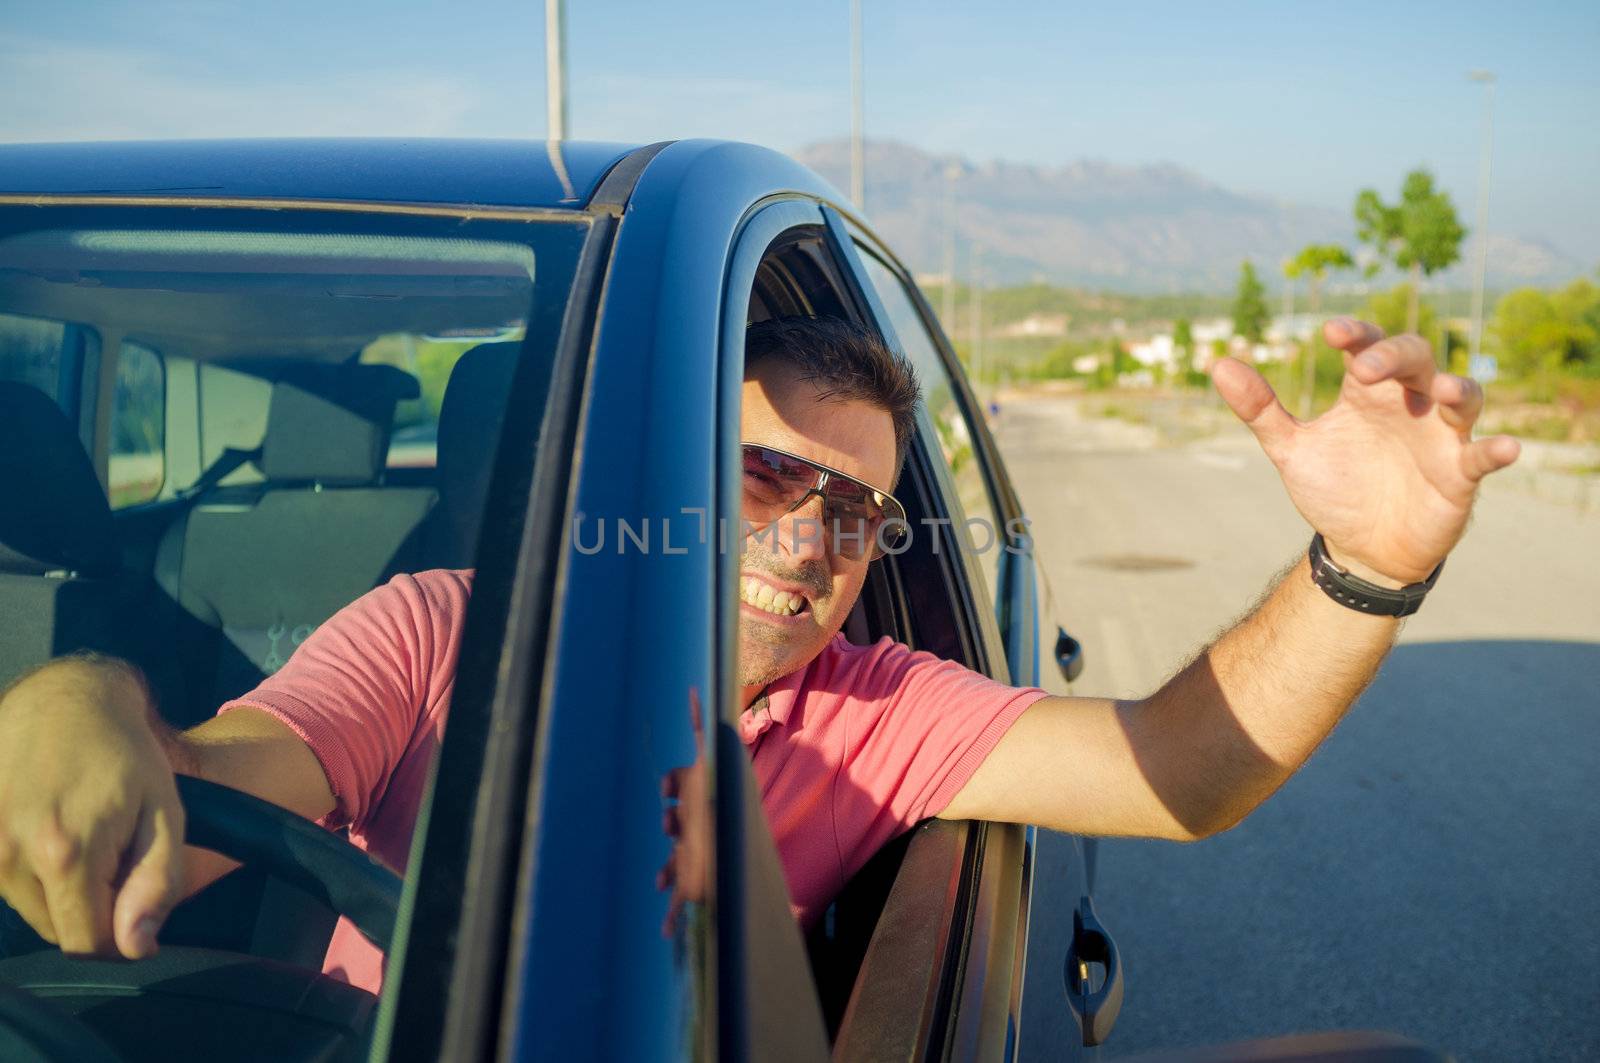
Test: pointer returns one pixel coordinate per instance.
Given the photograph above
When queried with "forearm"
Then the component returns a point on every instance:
(253, 752)
(1388, 477)
(1233, 725)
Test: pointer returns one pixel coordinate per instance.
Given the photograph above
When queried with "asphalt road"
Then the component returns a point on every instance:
(1432, 871)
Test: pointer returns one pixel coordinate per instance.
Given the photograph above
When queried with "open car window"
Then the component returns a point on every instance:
(919, 596)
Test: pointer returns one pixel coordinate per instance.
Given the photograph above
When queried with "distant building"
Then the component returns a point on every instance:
(1217, 328)
(1157, 350)
(1160, 349)
(1285, 334)
(1048, 325)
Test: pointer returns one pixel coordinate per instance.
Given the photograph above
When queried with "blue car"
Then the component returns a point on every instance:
(244, 383)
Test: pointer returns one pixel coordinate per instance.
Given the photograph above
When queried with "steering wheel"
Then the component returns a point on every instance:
(260, 834)
(245, 1006)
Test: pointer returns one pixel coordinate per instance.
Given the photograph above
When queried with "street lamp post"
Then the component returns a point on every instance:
(1288, 329)
(975, 359)
(1485, 78)
(555, 68)
(948, 296)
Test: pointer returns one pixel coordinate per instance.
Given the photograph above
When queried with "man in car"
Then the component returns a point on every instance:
(91, 826)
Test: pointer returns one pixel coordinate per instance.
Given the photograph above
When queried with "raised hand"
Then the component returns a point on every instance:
(1389, 474)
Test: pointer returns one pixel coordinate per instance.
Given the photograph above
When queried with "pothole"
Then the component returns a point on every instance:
(1136, 563)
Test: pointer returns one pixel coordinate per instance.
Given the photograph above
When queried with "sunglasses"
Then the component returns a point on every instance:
(858, 520)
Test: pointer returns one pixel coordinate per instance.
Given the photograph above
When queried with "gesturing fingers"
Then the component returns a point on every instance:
(1249, 395)
(1407, 358)
(1349, 335)
(1460, 400)
(1484, 456)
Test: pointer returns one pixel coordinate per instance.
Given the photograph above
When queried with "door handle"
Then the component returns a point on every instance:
(1095, 1009)
(1069, 655)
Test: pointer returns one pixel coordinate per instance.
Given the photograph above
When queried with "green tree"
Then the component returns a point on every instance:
(1121, 360)
(1314, 262)
(1420, 234)
(1113, 362)
(1577, 306)
(1388, 311)
(1183, 349)
(1538, 332)
(1183, 335)
(1057, 361)
(1250, 314)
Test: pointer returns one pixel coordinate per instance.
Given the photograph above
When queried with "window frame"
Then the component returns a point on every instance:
(748, 1012)
(157, 497)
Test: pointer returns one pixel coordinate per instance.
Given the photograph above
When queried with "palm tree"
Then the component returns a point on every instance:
(1315, 262)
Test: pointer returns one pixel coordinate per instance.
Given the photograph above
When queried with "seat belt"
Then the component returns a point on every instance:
(230, 459)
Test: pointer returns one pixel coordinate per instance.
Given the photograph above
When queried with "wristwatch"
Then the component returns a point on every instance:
(1353, 592)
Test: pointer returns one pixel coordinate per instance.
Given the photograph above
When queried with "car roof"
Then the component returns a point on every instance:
(528, 174)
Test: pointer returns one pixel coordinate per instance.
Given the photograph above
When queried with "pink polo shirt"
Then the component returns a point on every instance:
(850, 751)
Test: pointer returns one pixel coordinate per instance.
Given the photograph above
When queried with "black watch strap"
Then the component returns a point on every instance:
(1353, 592)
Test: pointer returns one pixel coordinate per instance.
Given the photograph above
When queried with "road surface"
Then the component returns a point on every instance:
(1433, 870)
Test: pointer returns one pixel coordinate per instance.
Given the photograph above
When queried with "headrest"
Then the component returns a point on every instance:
(469, 427)
(330, 423)
(55, 514)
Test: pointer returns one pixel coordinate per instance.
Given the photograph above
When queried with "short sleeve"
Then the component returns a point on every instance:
(918, 729)
(356, 690)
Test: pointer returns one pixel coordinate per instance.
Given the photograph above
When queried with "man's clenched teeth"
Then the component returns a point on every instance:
(762, 596)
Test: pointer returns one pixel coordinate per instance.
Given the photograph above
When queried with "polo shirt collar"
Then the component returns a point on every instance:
(773, 707)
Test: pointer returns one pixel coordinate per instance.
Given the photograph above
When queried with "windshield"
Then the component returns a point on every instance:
(223, 427)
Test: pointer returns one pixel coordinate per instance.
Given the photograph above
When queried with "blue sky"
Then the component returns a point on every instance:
(1304, 102)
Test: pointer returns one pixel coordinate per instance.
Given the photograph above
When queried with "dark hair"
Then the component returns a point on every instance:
(846, 361)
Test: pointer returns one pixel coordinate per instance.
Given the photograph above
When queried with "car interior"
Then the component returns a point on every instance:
(224, 439)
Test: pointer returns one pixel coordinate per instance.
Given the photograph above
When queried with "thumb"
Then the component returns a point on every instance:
(151, 886)
(1252, 399)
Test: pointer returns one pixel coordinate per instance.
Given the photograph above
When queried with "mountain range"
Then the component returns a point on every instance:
(1095, 224)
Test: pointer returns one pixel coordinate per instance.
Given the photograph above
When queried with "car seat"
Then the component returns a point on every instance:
(59, 564)
(260, 566)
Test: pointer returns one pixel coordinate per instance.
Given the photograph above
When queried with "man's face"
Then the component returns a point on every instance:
(783, 410)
